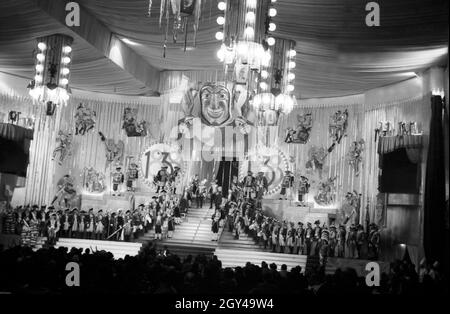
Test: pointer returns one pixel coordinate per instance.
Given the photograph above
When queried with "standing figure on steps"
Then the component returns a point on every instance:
(117, 179)
(286, 185)
(161, 179)
(303, 189)
(261, 188)
(215, 225)
(249, 184)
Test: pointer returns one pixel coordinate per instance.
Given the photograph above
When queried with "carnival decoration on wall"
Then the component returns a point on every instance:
(316, 159)
(272, 161)
(187, 104)
(350, 208)
(63, 146)
(84, 119)
(326, 192)
(338, 127)
(132, 127)
(93, 181)
(114, 151)
(301, 133)
(384, 128)
(354, 156)
(181, 11)
(215, 101)
(160, 155)
(13, 117)
(66, 193)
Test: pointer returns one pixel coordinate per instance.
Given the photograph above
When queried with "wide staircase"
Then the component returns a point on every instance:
(118, 248)
(192, 237)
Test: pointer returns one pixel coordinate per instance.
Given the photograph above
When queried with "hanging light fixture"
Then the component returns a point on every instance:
(50, 85)
(179, 11)
(276, 86)
(244, 32)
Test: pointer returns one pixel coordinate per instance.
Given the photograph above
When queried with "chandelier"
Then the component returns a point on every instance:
(179, 11)
(275, 87)
(244, 33)
(50, 85)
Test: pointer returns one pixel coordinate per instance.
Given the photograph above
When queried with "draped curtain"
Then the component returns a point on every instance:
(434, 201)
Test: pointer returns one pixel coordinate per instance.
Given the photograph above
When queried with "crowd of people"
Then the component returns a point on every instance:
(152, 272)
(161, 214)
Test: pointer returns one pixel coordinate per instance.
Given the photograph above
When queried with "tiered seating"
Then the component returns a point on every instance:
(192, 236)
(234, 258)
(117, 248)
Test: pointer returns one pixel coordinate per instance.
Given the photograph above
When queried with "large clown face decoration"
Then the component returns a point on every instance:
(215, 104)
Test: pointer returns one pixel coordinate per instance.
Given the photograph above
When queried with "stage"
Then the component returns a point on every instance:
(290, 211)
(107, 201)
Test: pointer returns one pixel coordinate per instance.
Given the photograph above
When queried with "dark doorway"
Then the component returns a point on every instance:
(227, 169)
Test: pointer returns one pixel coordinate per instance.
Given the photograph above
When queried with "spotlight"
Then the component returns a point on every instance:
(40, 57)
(222, 5)
(42, 46)
(220, 20)
(271, 41)
(219, 35)
(67, 49)
(272, 12)
(272, 27)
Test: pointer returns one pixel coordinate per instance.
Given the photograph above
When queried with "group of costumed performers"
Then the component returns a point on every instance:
(167, 182)
(288, 186)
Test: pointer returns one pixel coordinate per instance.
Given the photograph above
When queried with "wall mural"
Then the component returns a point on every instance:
(131, 125)
(84, 119)
(114, 151)
(338, 127)
(64, 146)
(301, 133)
(93, 181)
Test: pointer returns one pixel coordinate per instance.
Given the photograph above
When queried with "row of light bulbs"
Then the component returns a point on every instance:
(291, 76)
(250, 18)
(40, 63)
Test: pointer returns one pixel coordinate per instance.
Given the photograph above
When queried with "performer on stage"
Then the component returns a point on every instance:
(291, 237)
(303, 189)
(53, 226)
(117, 179)
(261, 187)
(374, 240)
(332, 240)
(99, 225)
(249, 184)
(316, 239)
(286, 185)
(235, 188)
(341, 235)
(65, 224)
(132, 176)
(300, 238)
(161, 178)
(215, 225)
(351, 243)
(212, 193)
(175, 179)
(308, 238)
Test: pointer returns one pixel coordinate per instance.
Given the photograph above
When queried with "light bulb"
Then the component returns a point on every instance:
(38, 78)
(251, 4)
(272, 27)
(291, 76)
(39, 68)
(220, 20)
(42, 46)
(272, 12)
(64, 81)
(222, 5)
(263, 85)
(264, 74)
(67, 49)
(250, 17)
(66, 60)
(249, 31)
(221, 54)
(219, 35)
(290, 88)
(273, 1)
(271, 41)
(292, 65)
(292, 53)
(65, 71)
(40, 57)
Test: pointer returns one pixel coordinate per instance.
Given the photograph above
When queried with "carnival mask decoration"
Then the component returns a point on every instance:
(63, 146)
(301, 134)
(13, 116)
(84, 119)
(354, 156)
(132, 127)
(316, 159)
(93, 180)
(326, 192)
(215, 104)
(114, 151)
(338, 127)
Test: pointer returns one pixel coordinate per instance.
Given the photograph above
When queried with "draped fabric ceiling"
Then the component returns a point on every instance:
(337, 54)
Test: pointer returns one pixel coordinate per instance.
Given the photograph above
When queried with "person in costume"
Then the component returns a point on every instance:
(215, 225)
(324, 245)
(212, 193)
(161, 179)
(374, 241)
(66, 190)
(351, 243)
(360, 241)
(261, 186)
(303, 189)
(99, 225)
(235, 188)
(286, 185)
(82, 225)
(52, 229)
(117, 180)
(341, 237)
(300, 238)
(132, 176)
(291, 236)
(90, 224)
(275, 236)
(200, 194)
(332, 240)
(315, 243)
(158, 227)
(308, 238)
(65, 223)
(175, 178)
(127, 226)
(248, 184)
(74, 221)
